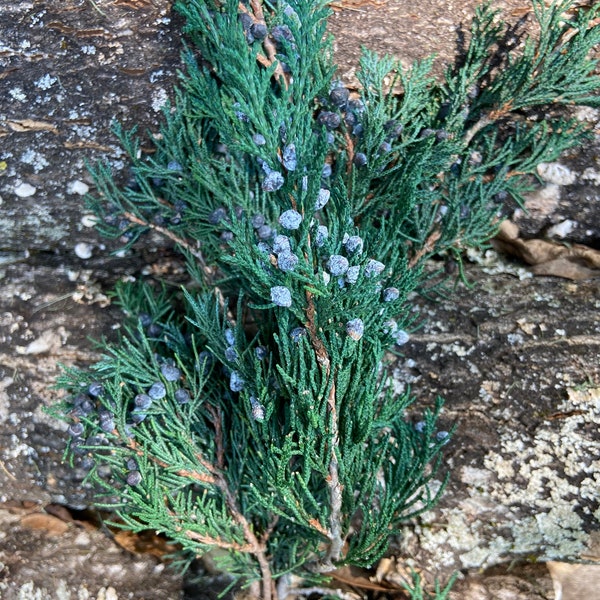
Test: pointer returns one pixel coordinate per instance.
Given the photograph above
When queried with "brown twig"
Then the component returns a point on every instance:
(333, 479)
(265, 61)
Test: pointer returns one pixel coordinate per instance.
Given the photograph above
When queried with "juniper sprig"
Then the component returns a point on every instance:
(254, 415)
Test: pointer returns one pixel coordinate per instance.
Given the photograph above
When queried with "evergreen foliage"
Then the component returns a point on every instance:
(252, 412)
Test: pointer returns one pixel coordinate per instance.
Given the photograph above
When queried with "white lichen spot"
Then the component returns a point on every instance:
(45, 82)
(77, 187)
(83, 250)
(17, 94)
(159, 99)
(25, 190)
(35, 159)
(89, 220)
(562, 229)
(556, 173)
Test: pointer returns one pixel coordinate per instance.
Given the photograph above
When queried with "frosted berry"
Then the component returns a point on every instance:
(157, 391)
(352, 274)
(264, 232)
(170, 372)
(322, 235)
(385, 148)
(420, 426)
(355, 328)
(259, 139)
(95, 389)
(297, 333)
(230, 336)
(76, 429)
(281, 296)
(287, 261)
(354, 244)
(145, 319)
(236, 382)
(442, 436)
(337, 264)
(137, 416)
(182, 396)
(134, 478)
(390, 294)
(289, 157)
(401, 337)
(174, 166)
(339, 96)
(322, 198)
(360, 158)
(281, 243)
(131, 464)
(107, 425)
(326, 171)
(374, 268)
(331, 120)
(258, 410)
(273, 181)
(142, 401)
(281, 33)
(261, 352)
(257, 221)
(231, 354)
(290, 219)
(227, 236)
(217, 215)
(259, 31)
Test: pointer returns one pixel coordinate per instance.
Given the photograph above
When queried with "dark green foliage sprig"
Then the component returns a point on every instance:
(251, 415)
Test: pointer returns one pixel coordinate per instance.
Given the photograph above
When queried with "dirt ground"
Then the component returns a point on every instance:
(516, 356)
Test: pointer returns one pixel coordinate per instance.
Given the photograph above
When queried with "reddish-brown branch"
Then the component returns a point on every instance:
(333, 480)
(258, 16)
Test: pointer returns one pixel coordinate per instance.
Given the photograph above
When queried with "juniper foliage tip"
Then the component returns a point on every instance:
(251, 413)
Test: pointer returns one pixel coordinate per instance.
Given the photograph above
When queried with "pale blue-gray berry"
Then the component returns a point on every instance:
(107, 425)
(287, 261)
(322, 198)
(230, 336)
(373, 268)
(231, 354)
(137, 416)
(442, 436)
(326, 172)
(134, 478)
(322, 235)
(261, 352)
(355, 328)
(182, 396)
(174, 166)
(259, 139)
(289, 157)
(337, 264)
(264, 247)
(390, 294)
(236, 382)
(142, 401)
(352, 274)
(360, 158)
(76, 429)
(281, 296)
(420, 426)
(257, 221)
(281, 243)
(95, 389)
(264, 232)
(297, 333)
(217, 215)
(273, 181)
(170, 372)
(290, 219)
(157, 391)
(401, 337)
(258, 410)
(354, 244)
